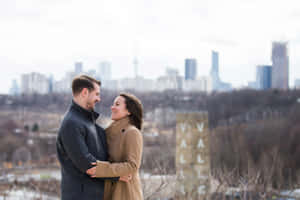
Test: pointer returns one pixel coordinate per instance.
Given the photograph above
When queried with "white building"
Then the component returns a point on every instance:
(297, 84)
(14, 90)
(34, 83)
(138, 84)
(203, 84)
(64, 85)
(171, 81)
(104, 72)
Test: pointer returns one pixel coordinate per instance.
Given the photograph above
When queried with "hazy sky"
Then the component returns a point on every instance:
(48, 36)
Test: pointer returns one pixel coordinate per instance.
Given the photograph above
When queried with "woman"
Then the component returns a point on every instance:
(125, 145)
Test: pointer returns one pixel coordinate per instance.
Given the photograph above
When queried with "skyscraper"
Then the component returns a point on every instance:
(34, 83)
(190, 69)
(280, 63)
(14, 90)
(78, 68)
(105, 71)
(214, 71)
(264, 77)
(136, 65)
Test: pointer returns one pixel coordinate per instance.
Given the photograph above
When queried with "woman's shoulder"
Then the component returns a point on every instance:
(131, 129)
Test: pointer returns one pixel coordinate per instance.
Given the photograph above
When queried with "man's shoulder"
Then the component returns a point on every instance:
(72, 118)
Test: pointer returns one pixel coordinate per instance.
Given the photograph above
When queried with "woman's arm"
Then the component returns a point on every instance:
(133, 151)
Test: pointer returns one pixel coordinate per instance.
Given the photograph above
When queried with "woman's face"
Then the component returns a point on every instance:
(118, 109)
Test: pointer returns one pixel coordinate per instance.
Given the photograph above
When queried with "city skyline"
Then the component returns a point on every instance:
(49, 36)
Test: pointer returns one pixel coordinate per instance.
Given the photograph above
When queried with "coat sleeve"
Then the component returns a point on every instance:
(133, 151)
(72, 138)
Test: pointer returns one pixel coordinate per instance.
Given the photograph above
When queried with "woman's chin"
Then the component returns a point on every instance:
(112, 118)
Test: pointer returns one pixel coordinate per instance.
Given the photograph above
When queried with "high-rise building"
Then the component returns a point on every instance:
(136, 65)
(34, 83)
(64, 85)
(92, 73)
(214, 71)
(104, 71)
(171, 72)
(203, 84)
(297, 83)
(14, 90)
(264, 77)
(190, 69)
(280, 63)
(51, 82)
(78, 68)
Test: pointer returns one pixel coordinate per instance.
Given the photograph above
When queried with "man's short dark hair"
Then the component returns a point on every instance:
(83, 81)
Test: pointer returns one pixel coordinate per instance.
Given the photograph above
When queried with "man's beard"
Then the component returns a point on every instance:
(90, 106)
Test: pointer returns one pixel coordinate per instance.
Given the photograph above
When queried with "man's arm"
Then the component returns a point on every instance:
(72, 138)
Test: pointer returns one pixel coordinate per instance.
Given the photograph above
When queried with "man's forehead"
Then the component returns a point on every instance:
(97, 87)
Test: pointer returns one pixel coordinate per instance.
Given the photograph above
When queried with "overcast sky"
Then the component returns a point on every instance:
(48, 36)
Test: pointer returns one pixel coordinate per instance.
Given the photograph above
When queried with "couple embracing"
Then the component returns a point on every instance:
(95, 163)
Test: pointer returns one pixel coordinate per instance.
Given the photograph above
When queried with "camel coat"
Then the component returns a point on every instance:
(125, 145)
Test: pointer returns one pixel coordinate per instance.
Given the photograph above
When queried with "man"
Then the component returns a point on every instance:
(81, 142)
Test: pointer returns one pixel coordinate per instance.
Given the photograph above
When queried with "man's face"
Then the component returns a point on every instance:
(93, 97)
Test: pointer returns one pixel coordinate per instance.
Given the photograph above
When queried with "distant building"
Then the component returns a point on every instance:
(138, 84)
(92, 73)
(104, 73)
(264, 77)
(280, 63)
(34, 83)
(51, 83)
(78, 68)
(14, 90)
(203, 84)
(225, 87)
(252, 85)
(171, 80)
(190, 69)
(172, 72)
(136, 67)
(64, 85)
(216, 83)
(297, 83)
(214, 71)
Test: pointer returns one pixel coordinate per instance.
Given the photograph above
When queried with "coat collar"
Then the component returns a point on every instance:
(91, 115)
(119, 125)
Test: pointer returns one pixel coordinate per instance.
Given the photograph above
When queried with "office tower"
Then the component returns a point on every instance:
(190, 69)
(78, 68)
(171, 72)
(135, 64)
(14, 90)
(51, 82)
(297, 83)
(104, 71)
(214, 71)
(34, 83)
(264, 77)
(280, 64)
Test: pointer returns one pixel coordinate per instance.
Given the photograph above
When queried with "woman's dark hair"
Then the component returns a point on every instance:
(83, 81)
(135, 108)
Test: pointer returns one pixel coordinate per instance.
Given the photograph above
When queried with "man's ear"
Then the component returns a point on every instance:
(84, 92)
